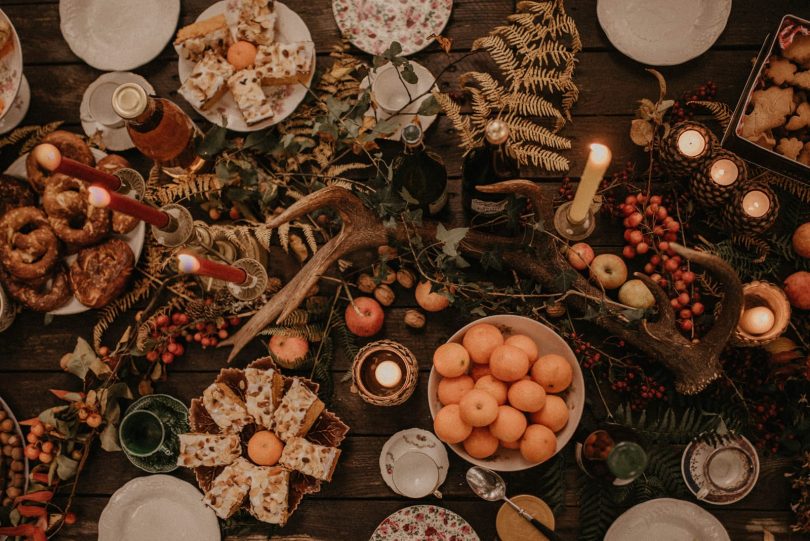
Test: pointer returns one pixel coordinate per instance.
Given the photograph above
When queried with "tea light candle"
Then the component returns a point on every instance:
(49, 157)
(756, 203)
(388, 374)
(724, 172)
(99, 196)
(191, 264)
(757, 320)
(595, 167)
(691, 143)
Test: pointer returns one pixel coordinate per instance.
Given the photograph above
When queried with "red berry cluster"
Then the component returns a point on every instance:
(639, 388)
(588, 356)
(167, 331)
(208, 333)
(681, 110)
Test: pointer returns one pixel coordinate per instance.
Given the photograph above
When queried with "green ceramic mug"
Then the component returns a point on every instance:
(142, 434)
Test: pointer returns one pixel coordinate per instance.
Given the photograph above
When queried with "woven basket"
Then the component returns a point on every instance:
(738, 221)
(708, 193)
(772, 297)
(411, 373)
(677, 164)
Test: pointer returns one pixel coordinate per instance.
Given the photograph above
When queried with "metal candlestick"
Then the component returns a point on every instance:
(179, 230)
(256, 282)
(571, 230)
(131, 180)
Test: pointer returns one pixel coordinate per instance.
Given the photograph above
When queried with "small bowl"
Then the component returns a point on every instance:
(547, 341)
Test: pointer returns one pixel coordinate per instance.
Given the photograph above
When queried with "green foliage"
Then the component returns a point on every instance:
(551, 483)
(670, 426)
(600, 505)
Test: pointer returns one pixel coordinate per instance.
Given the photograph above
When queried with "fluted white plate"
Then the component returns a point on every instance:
(667, 519)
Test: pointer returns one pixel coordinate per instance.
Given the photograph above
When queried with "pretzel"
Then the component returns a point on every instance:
(15, 193)
(28, 246)
(70, 145)
(42, 295)
(121, 223)
(100, 273)
(74, 220)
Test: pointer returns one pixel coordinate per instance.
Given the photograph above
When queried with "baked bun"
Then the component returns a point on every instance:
(73, 218)
(28, 245)
(70, 145)
(41, 295)
(121, 223)
(100, 273)
(15, 193)
(112, 163)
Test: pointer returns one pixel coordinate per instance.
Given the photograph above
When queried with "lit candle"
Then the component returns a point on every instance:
(388, 374)
(49, 157)
(756, 203)
(101, 197)
(597, 164)
(691, 143)
(191, 264)
(757, 320)
(724, 172)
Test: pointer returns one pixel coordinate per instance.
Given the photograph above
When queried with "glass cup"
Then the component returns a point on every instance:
(416, 475)
(142, 434)
(392, 93)
(726, 470)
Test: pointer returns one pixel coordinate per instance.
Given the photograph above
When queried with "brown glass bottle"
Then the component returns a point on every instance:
(158, 127)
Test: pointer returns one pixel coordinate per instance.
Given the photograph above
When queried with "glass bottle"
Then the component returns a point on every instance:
(613, 454)
(157, 127)
(420, 172)
(487, 164)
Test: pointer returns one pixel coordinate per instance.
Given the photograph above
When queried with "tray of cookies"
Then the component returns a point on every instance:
(771, 123)
(260, 441)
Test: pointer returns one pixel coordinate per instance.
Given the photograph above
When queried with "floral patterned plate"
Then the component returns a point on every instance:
(11, 66)
(424, 523)
(371, 25)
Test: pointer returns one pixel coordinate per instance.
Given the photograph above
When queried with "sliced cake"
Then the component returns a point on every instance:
(225, 407)
(208, 449)
(253, 20)
(298, 410)
(229, 488)
(263, 394)
(310, 458)
(208, 81)
(285, 63)
(246, 87)
(195, 39)
(269, 487)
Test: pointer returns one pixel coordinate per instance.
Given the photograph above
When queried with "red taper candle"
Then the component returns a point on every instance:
(49, 157)
(191, 264)
(99, 196)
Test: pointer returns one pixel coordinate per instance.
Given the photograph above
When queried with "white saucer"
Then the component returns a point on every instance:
(406, 441)
(114, 133)
(693, 462)
(19, 108)
(426, 80)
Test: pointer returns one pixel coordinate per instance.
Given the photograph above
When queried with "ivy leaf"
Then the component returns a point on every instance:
(386, 127)
(213, 143)
(429, 107)
(406, 195)
(491, 260)
(109, 438)
(337, 107)
(408, 74)
(82, 359)
(108, 401)
(260, 141)
(65, 467)
(450, 238)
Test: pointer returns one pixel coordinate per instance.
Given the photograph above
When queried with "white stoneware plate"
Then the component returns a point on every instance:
(547, 341)
(118, 35)
(667, 519)
(114, 133)
(289, 28)
(424, 523)
(134, 238)
(11, 69)
(157, 508)
(663, 32)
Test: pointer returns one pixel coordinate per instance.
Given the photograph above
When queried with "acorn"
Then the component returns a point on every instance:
(555, 310)
(414, 319)
(406, 278)
(384, 294)
(365, 283)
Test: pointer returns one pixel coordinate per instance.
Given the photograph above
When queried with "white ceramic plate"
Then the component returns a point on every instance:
(667, 519)
(289, 28)
(157, 508)
(134, 238)
(547, 341)
(113, 130)
(118, 35)
(371, 25)
(424, 522)
(405, 441)
(663, 32)
(11, 68)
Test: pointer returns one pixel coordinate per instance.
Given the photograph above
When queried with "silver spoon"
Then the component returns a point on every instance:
(490, 486)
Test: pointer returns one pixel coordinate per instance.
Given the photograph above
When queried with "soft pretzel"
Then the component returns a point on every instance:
(70, 145)
(100, 273)
(15, 193)
(42, 295)
(121, 223)
(73, 218)
(28, 246)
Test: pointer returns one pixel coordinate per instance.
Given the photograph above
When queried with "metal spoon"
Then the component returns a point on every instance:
(491, 487)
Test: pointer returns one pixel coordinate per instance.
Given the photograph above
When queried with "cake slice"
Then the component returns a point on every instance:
(263, 394)
(285, 63)
(253, 20)
(208, 81)
(269, 487)
(195, 39)
(208, 449)
(246, 87)
(229, 488)
(298, 410)
(225, 407)
(310, 458)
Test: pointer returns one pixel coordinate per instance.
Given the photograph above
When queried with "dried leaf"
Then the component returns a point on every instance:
(446, 44)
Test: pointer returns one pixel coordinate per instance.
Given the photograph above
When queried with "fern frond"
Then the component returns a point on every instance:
(527, 130)
(337, 170)
(17, 135)
(312, 333)
(720, 111)
(117, 307)
(264, 235)
(549, 160)
(539, 79)
(297, 318)
(500, 52)
(284, 236)
(460, 122)
(40, 133)
(309, 235)
(186, 187)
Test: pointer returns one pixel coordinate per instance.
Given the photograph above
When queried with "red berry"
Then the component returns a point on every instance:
(675, 304)
(167, 358)
(648, 268)
(213, 341)
(179, 350)
(172, 348)
(234, 213)
(70, 518)
(661, 213)
(152, 356)
(200, 326)
(663, 246)
(630, 200)
(162, 320)
(686, 324)
(674, 227)
(642, 248)
(223, 334)
(103, 351)
(670, 236)
(655, 260)
(635, 237)
(688, 277)
(683, 298)
(234, 321)
(658, 231)
(176, 318)
(698, 308)
(671, 265)
(655, 199)
(629, 252)
(634, 219)
(686, 313)
(680, 285)
(205, 342)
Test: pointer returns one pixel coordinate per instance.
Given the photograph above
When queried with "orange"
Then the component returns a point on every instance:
(478, 408)
(264, 448)
(508, 363)
(480, 340)
(526, 344)
(553, 372)
(553, 415)
(510, 444)
(451, 360)
(538, 444)
(452, 389)
(494, 387)
(448, 425)
(480, 443)
(479, 371)
(527, 395)
(510, 424)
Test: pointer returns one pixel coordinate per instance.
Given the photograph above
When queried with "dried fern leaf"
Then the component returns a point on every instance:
(460, 122)
(720, 111)
(538, 79)
(337, 170)
(309, 235)
(500, 52)
(40, 133)
(120, 305)
(539, 157)
(284, 236)
(17, 135)
(297, 318)
(527, 130)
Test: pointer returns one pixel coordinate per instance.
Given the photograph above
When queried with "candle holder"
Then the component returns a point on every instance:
(256, 282)
(571, 230)
(678, 156)
(736, 217)
(368, 358)
(714, 183)
(180, 228)
(131, 181)
(772, 297)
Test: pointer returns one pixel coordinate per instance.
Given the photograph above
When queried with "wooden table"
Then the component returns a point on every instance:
(350, 507)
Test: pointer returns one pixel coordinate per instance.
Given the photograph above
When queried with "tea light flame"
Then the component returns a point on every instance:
(757, 320)
(388, 374)
(724, 172)
(756, 203)
(691, 143)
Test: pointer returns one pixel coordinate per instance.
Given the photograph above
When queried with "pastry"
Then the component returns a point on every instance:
(789, 147)
(309, 458)
(100, 273)
(208, 449)
(28, 246)
(73, 218)
(41, 295)
(208, 81)
(255, 21)
(15, 193)
(229, 488)
(285, 63)
(112, 163)
(195, 39)
(69, 144)
(263, 394)
(121, 223)
(771, 106)
(225, 407)
(269, 488)
(246, 87)
(799, 50)
(298, 410)
(780, 70)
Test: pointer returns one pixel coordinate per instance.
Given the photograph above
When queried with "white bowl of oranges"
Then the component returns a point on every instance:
(505, 392)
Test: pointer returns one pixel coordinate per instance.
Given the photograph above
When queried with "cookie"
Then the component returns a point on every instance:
(801, 79)
(800, 119)
(799, 50)
(765, 140)
(780, 70)
(789, 148)
(771, 106)
(804, 155)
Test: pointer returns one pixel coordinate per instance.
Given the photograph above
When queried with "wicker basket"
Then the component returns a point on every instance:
(410, 373)
(772, 297)
(708, 193)
(677, 164)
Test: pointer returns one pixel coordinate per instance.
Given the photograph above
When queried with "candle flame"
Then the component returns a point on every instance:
(48, 156)
(187, 263)
(98, 196)
(600, 153)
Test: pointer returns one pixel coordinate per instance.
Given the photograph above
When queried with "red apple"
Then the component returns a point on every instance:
(289, 349)
(580, 255)
(364, 317)
(609, 270)
(801, 240)
(797, 288)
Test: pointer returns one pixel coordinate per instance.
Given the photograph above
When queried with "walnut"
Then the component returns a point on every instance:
(414, 319)
(365, 283)
(406, 278)
(384, 294)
